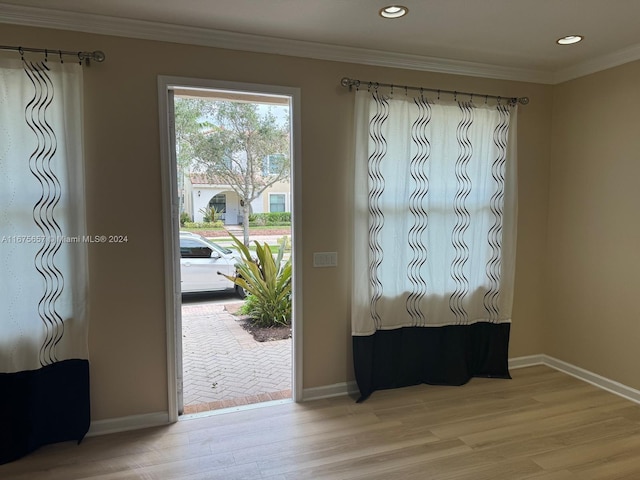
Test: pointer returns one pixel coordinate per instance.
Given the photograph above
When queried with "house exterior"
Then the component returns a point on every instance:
(200, 192)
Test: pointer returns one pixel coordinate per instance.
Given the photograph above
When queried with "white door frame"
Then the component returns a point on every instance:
(170, 203)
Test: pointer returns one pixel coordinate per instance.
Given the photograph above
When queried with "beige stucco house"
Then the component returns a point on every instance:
(200, 192)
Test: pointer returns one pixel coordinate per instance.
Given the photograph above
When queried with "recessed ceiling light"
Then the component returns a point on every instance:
(569, 39)
(393, 11)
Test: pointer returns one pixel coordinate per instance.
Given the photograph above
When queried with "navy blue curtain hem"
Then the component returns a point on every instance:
(448, 355)
(39, 407)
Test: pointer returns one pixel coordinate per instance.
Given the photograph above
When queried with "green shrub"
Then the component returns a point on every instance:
(267, 281)
(184, 218)
(257, 221)
(218, 224)
(270, 218)
(278, 217)
(248, 306)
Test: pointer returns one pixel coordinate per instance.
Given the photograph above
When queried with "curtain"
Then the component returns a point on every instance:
(434, 240)
(44, 368)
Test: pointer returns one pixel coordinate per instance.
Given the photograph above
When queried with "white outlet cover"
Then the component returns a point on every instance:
(325, 259)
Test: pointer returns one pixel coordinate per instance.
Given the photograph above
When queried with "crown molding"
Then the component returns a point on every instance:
(145, 30)
(98, 24)
(626, 55)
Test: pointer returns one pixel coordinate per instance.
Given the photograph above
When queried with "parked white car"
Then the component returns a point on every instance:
(200, 262)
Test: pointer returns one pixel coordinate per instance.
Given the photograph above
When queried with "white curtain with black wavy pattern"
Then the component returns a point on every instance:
(44, 371)
(434, 239)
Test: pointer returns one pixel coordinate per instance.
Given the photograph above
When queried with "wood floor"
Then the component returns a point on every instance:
(541, 425)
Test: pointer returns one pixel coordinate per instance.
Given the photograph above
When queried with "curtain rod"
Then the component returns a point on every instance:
(350, 82)
(96, 55)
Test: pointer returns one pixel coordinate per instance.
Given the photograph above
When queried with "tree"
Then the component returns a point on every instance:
(239, 146)
(189, 123)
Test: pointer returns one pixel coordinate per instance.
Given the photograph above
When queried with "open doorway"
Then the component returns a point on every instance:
(220, 187)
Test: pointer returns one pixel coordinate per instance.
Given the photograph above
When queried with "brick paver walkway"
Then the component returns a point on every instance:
(224, 366)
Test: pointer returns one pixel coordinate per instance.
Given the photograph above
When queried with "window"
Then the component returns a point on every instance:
(219, 203)
(434, 224)
(192, 248)
(273, 164)
(277, 202)
(434, 201)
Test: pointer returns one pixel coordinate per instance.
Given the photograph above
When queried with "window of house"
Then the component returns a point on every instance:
(219, 203)
(277, 202)
(273, 164)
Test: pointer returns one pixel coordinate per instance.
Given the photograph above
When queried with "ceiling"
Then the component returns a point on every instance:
(512, 39)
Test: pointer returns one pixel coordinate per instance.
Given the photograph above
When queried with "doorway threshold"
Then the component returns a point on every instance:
(234, 409)
(238, 402)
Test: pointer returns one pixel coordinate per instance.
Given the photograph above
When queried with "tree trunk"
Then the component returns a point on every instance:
(245, 223)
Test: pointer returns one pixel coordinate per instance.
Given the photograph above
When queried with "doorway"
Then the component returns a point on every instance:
(182, 195)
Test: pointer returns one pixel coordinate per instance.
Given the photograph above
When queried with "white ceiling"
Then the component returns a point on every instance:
(494, 38)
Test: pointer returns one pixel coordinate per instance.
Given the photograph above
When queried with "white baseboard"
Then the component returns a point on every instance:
(594, 379)
(612, 386)
(529, 361)
(132, 422)
(328, 391)
(577, 372)
(135, 422)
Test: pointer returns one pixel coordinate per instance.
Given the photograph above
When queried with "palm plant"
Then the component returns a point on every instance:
(210, 214)
(267, 281)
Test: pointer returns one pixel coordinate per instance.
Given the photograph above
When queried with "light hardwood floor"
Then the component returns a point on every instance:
(541, 425)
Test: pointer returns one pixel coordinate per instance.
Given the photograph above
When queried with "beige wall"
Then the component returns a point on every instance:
(594, 226)
(127, 336)
(278, 187)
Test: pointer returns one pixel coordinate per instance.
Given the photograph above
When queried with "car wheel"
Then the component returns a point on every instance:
(240, 292)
